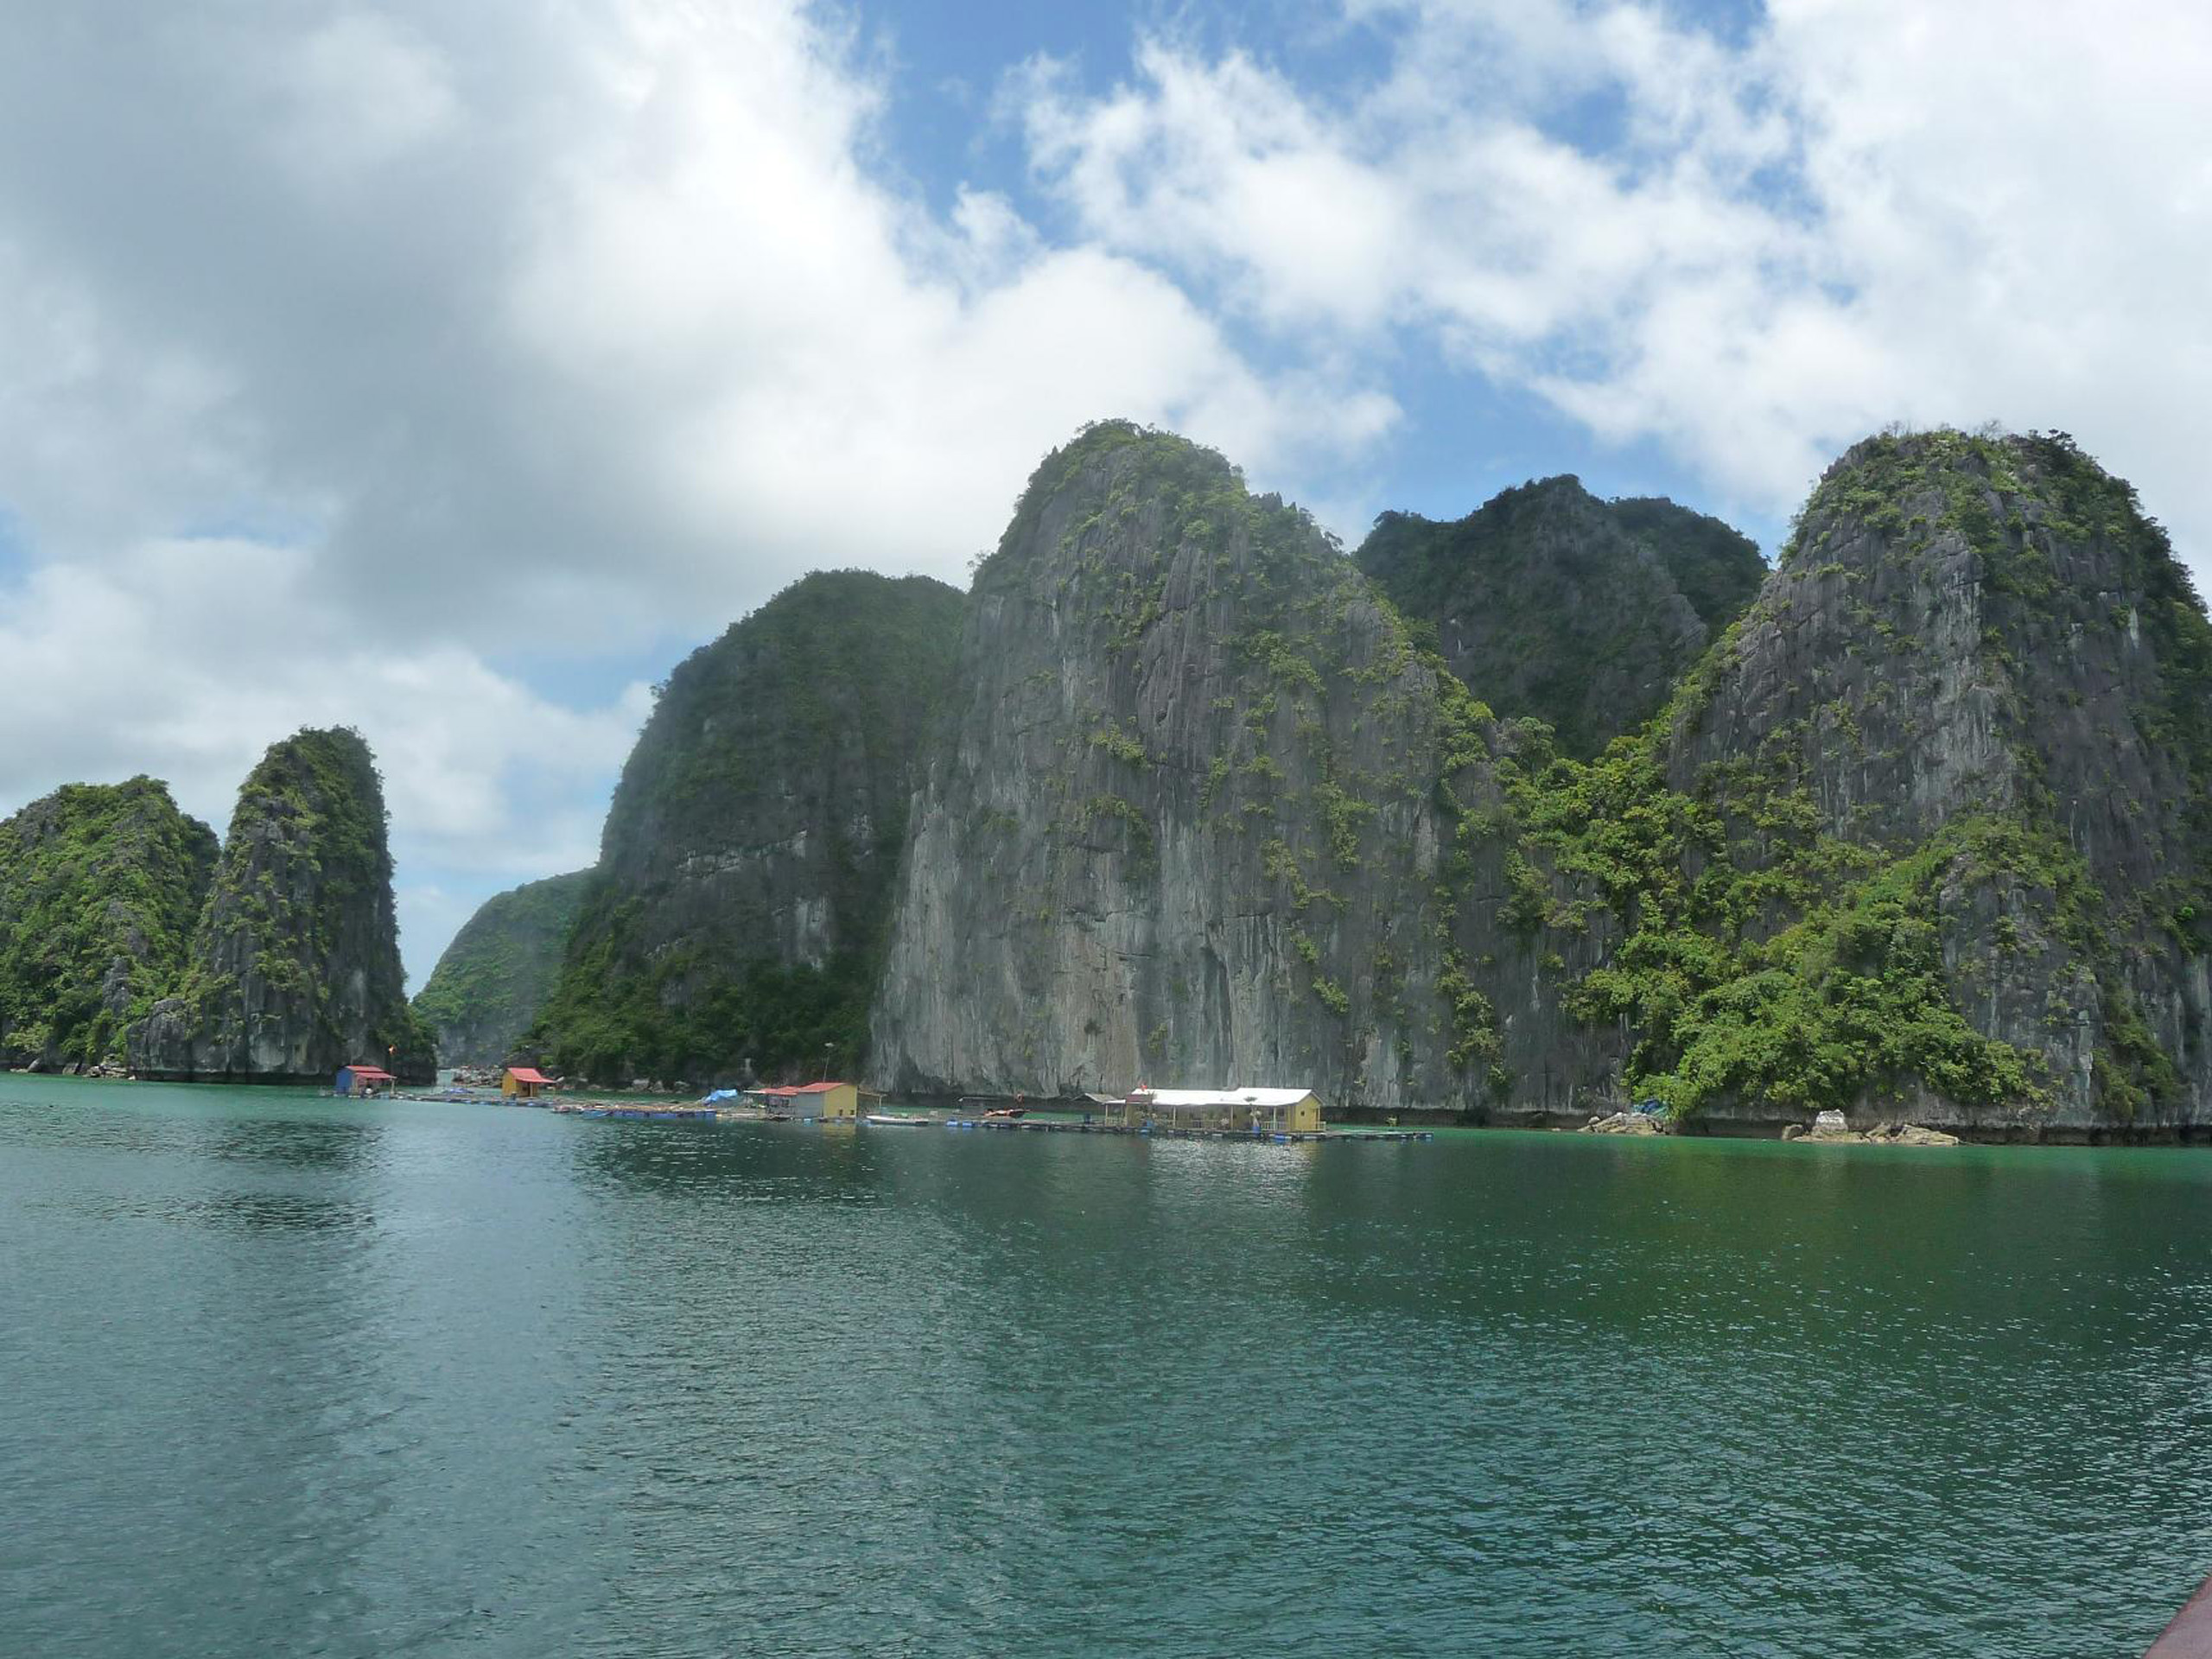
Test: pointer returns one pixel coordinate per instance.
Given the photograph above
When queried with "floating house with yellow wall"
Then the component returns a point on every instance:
(524, 1083)
(833, 1103)
(1260, 1111)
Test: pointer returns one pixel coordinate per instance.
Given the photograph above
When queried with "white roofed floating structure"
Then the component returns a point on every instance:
(1262, 1112)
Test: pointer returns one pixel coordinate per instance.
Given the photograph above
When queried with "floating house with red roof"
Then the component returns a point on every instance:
(832, 1102)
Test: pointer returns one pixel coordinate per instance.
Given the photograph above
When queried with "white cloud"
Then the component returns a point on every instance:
(1753, 253)
(592, 307)
(780, 344)
(356, 92)
(344, 338)
(82, 409)
(188, 657)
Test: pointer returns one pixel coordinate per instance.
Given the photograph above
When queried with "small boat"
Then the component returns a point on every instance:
(896, 1121)
(1005, 1114)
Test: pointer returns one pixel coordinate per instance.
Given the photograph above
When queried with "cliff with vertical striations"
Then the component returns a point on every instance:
(1204, 815)
(1964, 740)
(294, 968)
(1923, 835)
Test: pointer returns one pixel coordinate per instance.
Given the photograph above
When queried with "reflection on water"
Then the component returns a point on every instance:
(289, 1375)
(332, 1143)
(690, 1160)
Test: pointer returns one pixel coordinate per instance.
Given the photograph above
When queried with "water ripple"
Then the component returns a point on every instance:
(289, 1375)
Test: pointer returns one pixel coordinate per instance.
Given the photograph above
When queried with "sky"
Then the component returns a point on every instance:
(451, 371)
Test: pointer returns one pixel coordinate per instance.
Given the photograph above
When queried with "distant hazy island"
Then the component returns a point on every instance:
(1566, 804)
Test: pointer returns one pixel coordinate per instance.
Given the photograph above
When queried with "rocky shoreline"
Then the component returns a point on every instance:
(1736, 1128)
(1829, 1128)
(109, 1070)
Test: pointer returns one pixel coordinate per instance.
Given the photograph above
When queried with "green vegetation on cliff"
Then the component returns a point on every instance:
(1759, 958)
(493, 979)
(294, 968)
(737, 914)
(1551, 604)
(2022, 503)
(1771, 942)
(317, 798)
(1922, 831)
(1716, 567)
(99, 888)
(689, 1013)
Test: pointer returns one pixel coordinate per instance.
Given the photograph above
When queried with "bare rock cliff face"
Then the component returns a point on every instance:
(1922, 838)
(1202, 819)
(295, 966)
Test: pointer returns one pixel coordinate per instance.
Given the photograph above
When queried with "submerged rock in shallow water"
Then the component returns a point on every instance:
(1908, 1134)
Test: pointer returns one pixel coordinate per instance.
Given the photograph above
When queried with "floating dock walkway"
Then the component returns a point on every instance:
(632, 1112)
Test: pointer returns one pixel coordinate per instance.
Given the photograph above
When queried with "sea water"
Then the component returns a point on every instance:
(282, 1375)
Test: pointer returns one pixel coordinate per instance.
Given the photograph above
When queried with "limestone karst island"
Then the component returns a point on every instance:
(1567, 810)
(1310, 829)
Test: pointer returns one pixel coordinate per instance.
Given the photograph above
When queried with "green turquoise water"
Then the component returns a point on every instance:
(285, 1375)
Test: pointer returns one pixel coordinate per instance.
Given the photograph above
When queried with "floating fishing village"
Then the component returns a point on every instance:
(1279, 1116)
